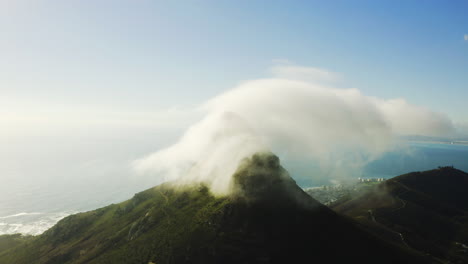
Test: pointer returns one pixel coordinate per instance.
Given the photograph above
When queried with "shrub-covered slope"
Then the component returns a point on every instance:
(266, 219)
(426, 211)
(10, 241)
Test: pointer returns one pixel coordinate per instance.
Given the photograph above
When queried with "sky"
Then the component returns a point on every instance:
(140, 56)
(82, 80)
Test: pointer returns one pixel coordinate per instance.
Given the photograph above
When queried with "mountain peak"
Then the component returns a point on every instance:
(261, 179)
(267, 219)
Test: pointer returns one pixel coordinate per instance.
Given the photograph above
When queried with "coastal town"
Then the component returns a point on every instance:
(328, 194)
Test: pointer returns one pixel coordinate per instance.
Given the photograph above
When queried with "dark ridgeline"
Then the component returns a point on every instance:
(267, 219)
(425, 211)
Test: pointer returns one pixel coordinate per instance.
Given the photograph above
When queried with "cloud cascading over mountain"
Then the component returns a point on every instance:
(294, 117)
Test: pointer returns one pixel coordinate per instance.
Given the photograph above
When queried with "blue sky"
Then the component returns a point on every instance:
(157, 54)
(87, 86)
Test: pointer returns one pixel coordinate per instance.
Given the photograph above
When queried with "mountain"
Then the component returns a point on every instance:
(266, 219)
(426, 211)
(10, 241)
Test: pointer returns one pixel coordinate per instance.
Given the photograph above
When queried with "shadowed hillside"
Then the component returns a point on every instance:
(267, 219)
(426, 211)
(10, 241)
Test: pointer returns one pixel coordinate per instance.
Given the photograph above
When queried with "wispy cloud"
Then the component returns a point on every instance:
(466, 37)
(287, 70)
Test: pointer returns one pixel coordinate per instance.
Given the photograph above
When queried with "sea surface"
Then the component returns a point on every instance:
(419, 156)
(408, 157)
(32, 206)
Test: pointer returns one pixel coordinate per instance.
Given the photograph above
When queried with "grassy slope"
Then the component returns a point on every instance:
(427, 208)
(11, 241)
(129, 232)
(263, 224)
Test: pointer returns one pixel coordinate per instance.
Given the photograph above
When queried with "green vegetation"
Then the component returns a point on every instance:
(12, 241)
(131, 231)
(267, 219)
(425, 211)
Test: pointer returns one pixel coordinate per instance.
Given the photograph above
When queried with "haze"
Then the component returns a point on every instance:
(90, 89)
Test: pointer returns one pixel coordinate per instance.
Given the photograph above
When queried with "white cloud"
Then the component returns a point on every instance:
(407, 119)
(286, 70)
(341, 129)
(466, 37)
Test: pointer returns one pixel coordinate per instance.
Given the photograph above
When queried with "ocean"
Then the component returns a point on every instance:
(32, 206)
(419, 156)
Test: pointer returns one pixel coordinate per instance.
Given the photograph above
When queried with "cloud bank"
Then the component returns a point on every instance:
(337, 128)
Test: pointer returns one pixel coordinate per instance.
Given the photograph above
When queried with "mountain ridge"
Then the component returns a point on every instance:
(425, 211)
(274, 223)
